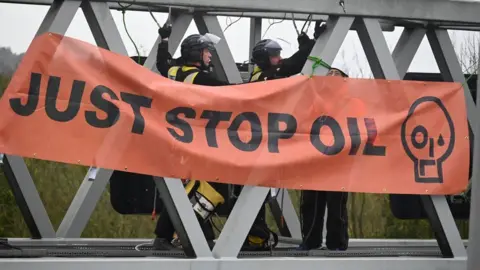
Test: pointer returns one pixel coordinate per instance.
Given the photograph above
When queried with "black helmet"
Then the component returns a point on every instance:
(262, 52)
(193, 46)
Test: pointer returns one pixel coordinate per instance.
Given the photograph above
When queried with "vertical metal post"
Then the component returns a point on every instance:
(255, 36)
(473, 259)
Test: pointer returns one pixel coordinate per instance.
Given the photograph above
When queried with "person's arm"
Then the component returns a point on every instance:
(294, 64)
(164, 58)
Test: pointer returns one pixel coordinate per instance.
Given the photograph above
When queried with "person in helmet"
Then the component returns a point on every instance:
(193, 67)
(313, 206)
(270, 65)
(194, 64)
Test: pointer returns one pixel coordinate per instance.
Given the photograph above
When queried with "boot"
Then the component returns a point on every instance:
(162, 244)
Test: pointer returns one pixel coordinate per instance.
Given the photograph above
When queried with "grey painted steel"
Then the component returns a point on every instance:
(387, 24)
(291, 220)
(329, 43)
(147, 251)
(83, 204)
(255, 36)
(181, 212)
(390, 263)
(117, 242)
(376, 50)
(406, 48)
(376, 243)
(290, 215)
(383, 66)
(409, 11)
(222, 58)
(474, 222)
(448, 236)
(449, 66)
(437, 10)
(59, 17)
(103, 27)
(27, 197)
(105, 33)
(240, 221)
(180, 24)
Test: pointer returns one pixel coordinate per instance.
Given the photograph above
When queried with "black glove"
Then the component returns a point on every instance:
(319, 29)
(165, 31)
(303, 39)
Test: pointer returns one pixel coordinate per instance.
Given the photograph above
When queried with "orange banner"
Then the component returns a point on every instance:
(73, 102)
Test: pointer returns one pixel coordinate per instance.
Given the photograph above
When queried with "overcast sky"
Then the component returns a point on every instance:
(19, 23)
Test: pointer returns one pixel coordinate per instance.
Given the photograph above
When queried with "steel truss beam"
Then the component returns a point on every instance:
(223, 256)
(433, 10)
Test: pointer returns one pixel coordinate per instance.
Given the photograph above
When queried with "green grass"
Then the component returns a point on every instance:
(369, 214)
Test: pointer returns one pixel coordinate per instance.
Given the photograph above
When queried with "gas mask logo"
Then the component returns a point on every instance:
(428, 139)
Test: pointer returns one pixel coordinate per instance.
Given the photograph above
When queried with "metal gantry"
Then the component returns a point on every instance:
(368, 18)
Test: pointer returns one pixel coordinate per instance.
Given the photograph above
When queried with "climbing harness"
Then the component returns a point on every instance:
(317, 62)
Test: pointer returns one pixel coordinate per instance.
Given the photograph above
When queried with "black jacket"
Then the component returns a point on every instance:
(165, 62)
(288, 66)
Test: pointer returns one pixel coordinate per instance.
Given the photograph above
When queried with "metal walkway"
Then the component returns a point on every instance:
(89, 251)
(91, 248)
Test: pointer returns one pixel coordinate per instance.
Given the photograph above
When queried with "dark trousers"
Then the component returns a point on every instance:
(313, 212)
(165, 228)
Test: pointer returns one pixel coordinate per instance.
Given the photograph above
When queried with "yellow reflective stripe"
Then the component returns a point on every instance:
(172, 73)
(256, 73)
(256, 69)
(255, 77)
(190, 78)
(185, 68)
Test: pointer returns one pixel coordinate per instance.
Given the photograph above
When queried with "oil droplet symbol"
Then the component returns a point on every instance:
(441, 141)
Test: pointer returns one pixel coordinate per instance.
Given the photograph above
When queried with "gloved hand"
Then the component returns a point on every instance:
(165, 31)
(303, 39)
(319, 29)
